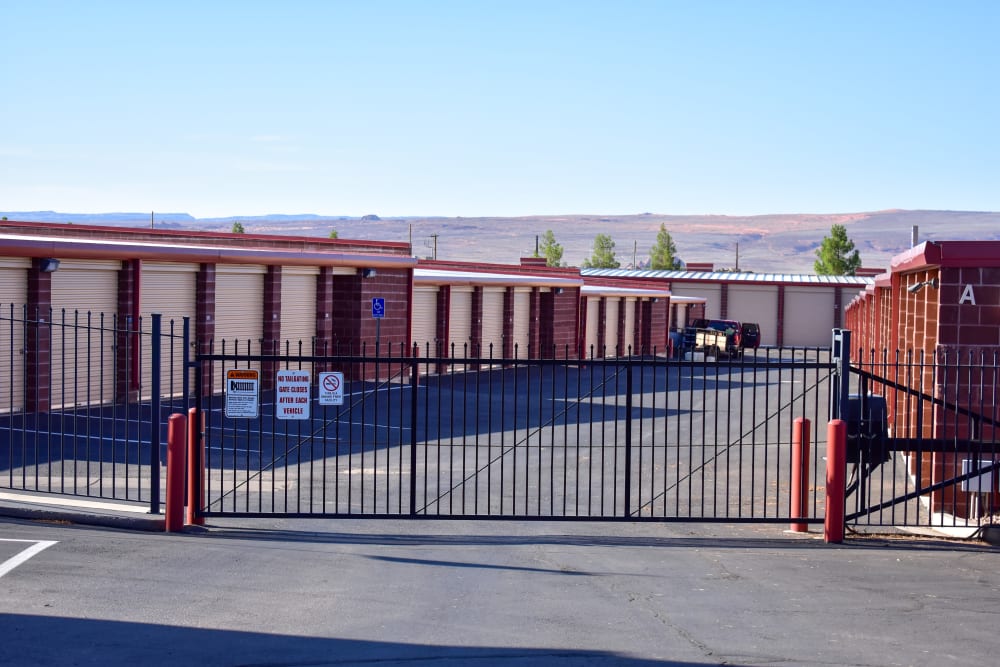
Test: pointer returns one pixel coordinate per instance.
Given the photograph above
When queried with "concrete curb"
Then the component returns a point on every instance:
(147, 524)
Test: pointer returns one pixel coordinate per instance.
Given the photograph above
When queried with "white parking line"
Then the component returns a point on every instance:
(37, 547)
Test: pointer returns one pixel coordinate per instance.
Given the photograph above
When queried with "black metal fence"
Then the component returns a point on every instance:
(84, 399)
(923, 450)
(631, 438)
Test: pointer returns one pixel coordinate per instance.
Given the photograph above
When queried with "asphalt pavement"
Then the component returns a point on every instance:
(398, 592)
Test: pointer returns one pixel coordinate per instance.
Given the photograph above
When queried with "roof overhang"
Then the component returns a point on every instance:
(85, 248)
(444, 277)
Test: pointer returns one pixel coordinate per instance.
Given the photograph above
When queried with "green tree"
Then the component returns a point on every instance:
(238, 228)
(550, 250)
(333, 233)
(664, 252)
(836, 255)
(604, 254)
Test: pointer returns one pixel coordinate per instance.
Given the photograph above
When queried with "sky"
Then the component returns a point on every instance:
(499, 108)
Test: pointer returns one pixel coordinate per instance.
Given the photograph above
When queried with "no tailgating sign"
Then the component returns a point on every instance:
(242, 393)
(292, 395)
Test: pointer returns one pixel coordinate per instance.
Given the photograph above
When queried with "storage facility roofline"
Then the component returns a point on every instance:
(729, 277)
(102, 248)
(425, 276)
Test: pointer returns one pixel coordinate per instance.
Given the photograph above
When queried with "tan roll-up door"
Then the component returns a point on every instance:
(460, 322)
(492, 323)
(593, 332)
(753, 303)
(298, 308)
(423, 331)
(522, 322)
(809, 315)
(239, 312)
(629, 345)
(84, 305)
(13, 296)
(167, 289)
(611, 326)
(712, 293)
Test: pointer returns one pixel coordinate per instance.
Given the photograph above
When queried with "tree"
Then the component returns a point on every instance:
(604, 254)
(664, 252)
(550, 250)
(836, 254)
(333, 233)
(238, 228)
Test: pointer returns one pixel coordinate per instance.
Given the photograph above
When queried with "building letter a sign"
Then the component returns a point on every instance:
(968, 296)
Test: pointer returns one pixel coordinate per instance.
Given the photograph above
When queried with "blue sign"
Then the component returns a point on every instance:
(378, 307)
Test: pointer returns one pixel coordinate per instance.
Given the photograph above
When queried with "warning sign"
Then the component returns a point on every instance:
(242, 393)
(292, 395)
(331, 388)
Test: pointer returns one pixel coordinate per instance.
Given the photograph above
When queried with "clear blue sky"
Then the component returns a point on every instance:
(483, 107)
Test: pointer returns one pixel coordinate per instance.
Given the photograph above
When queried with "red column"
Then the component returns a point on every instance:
(836, 479)
(800, 474)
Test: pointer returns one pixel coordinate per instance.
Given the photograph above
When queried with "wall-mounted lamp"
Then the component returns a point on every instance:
(48, 265)
(916, 287)
(368, 273)
(656, 299)
(558, 290)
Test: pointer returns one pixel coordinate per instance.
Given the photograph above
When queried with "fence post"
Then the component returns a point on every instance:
(841, 354)
(628, 437)
(414, 385)
(195, 469)
(156, 419)
(176, 436)
(800, 474)
(836, 479)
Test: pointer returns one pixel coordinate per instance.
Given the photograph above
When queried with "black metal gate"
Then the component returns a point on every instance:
(84, 401)
(633, 438)
(922, 437)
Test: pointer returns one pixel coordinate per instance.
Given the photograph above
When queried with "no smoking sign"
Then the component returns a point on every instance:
(331, 388)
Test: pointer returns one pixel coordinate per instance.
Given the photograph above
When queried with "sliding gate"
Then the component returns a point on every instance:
(399, 435)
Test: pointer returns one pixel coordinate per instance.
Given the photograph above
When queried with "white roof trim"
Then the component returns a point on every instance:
(443, 277)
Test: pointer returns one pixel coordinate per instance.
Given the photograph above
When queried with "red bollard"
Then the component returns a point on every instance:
(836, 480)
(195, 474)
(176, 444)
(800, 474)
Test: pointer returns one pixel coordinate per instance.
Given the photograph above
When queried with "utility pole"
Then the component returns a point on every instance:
(150, 219)
(635, 249)
(435, 237)
(737, 256)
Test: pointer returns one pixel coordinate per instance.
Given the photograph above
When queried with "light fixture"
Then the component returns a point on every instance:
(48, 265)
(558, 290)
(368, 273)
(916, 287)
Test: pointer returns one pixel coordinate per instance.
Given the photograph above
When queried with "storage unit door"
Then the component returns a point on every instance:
(808, 316)
(13, 295)
(612, 313)
(752, 303)
(630, 337)
(460, 322)
(711, 293)
(167, 289)
(239, 313)
(522, 322)
(83, 345)
(423, 326)
(492, 323)
(298, 309)
(593, 332)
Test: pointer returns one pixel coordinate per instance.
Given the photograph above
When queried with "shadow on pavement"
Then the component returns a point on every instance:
(738, 542)
(29, 640)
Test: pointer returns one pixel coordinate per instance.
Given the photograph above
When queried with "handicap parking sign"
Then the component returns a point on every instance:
(378, 307)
